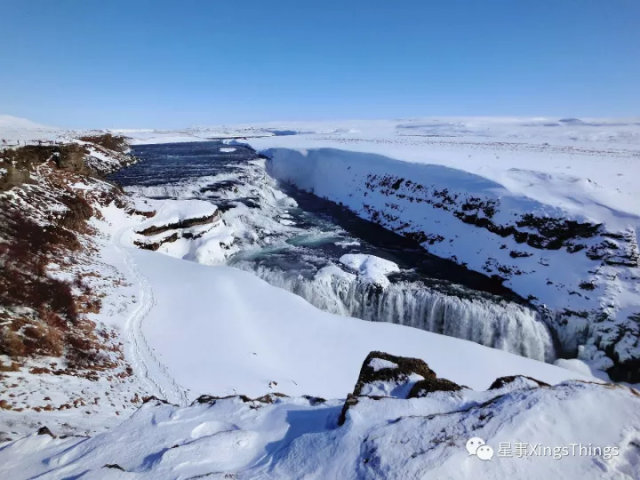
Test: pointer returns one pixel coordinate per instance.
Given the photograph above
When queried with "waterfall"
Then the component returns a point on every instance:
(450, 310)
(496, 323)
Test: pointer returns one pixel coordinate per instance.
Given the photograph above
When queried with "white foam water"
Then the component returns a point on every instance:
(497, 324)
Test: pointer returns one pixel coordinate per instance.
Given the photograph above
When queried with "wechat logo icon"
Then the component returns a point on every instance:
(477, 446)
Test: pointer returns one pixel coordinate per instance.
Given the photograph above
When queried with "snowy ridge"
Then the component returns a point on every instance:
(536, 431)
(83, 383)
(14, 130)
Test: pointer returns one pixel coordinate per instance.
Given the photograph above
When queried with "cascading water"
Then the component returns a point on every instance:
(296, 243)
(498, 324)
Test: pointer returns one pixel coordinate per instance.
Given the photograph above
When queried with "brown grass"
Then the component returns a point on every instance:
(116, 143)
(52, 319)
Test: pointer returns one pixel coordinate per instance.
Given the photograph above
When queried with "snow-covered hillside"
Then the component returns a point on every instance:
(15, 130)
(402, 421)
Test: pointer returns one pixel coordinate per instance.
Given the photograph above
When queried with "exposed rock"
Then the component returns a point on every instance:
(270, 397)
(404, 367)
(156, 245)
(46, 431)
(212, 399)
(627, 371)
(186, 223)
(502, 381)
(117, 143)
(155, 399)
(429, 385)
(71, 157)
(314, 400)
(13, 178)
(388, 376)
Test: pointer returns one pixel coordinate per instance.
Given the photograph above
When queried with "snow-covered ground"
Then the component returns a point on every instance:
(490, 191)
(528, 431)
(222, 331)
(192, 329)
(14, 131)
(262, 230)
(550, 205)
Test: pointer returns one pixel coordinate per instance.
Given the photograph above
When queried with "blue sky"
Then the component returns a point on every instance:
(138, 63)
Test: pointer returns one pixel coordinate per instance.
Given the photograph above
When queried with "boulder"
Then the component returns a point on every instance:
(517, 380)
(388, 376)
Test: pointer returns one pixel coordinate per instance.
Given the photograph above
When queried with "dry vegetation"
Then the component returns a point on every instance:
(116, 143)
(42, 222)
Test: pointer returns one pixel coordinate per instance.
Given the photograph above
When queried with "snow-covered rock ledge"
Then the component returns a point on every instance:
(581, 267)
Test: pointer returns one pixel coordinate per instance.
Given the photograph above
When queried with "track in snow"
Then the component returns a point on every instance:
(142, 357)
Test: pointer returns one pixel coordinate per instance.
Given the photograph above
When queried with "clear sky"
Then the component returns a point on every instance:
(144, 63)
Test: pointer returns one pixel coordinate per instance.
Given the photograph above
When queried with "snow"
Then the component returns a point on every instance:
(176, 212)
(191, 329)
(391, 389)
(425, 176)
(379, 364)
(370, 268)
(326, 274)
(505, 150)
(249, 333)
(14, 130)
(342, 176)
(384, 439)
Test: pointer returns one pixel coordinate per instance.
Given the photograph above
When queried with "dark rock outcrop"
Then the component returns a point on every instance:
(156, 245)
(71, 157)
(186, 223)
(117, 143)
(46, 431)
(429, 385)
(502, 381)
(398, 375)
(405, 367)
(213, 399)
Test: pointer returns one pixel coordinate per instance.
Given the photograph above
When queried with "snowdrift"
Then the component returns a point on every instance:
(529, 431)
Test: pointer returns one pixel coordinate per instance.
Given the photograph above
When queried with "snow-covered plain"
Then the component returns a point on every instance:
(222, 331)
(196, 329)
(15, 130)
